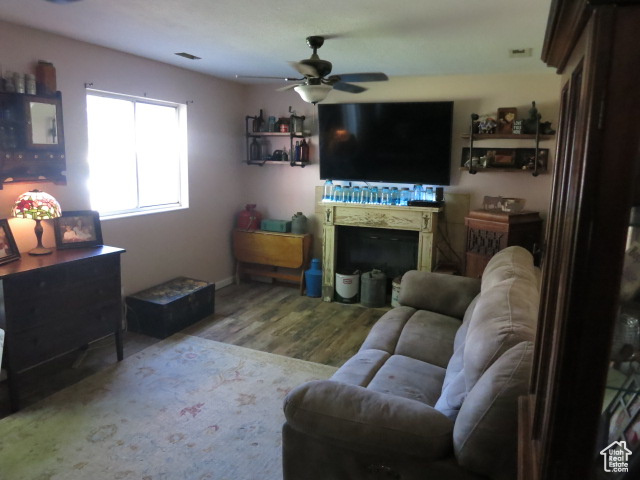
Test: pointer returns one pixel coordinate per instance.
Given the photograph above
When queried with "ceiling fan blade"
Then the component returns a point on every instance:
(348, 87)
(287, 87)
(363, 77)
(306, 70)
(288, 79)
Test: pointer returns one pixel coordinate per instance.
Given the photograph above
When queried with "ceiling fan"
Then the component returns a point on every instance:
(317, 82)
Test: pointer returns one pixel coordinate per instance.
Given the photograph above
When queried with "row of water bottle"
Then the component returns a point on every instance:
(375, 195)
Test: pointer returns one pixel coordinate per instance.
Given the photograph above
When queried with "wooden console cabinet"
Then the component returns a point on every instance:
(262, 253)
(489, 232)
(53, 304)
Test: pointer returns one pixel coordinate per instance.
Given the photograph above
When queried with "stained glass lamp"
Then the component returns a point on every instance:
(38, 206)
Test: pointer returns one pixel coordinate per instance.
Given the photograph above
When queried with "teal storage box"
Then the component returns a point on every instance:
(270, 225)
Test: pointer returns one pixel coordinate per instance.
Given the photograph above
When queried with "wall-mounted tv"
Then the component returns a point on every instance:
(403, 142)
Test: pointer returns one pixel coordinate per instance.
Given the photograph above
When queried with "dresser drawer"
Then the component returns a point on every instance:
(59, 303)
(56, 337)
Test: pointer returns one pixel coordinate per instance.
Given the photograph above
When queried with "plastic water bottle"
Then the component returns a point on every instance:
(337, 193)
(417, 192)
(346, 194)
(327, 194)
(395, 196)
(365, 195)
(385, 198)
(374, 196)
(429, 196)
(405, 196)
(356, 195)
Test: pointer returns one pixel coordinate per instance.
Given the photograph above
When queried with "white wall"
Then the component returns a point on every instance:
(279, 191)
(193, 242)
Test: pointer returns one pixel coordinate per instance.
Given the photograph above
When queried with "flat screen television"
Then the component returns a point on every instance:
(403, 142)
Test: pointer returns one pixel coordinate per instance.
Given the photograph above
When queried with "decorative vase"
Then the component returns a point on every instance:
(299, 223)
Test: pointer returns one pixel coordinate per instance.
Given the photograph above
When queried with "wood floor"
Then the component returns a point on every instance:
(269, 317)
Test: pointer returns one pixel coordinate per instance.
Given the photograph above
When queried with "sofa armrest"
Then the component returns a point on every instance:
(437, 292)
(377, 422)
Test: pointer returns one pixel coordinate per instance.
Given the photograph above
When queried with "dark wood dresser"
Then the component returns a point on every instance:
(53, 304)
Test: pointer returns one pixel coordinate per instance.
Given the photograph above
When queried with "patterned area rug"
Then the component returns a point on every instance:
(185, 408)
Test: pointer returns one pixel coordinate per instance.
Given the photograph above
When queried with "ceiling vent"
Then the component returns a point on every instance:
(520, 52)
(188, 55)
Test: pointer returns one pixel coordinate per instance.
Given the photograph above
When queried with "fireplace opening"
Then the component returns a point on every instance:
(392, 251)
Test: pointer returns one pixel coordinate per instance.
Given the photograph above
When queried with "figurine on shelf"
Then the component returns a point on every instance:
(533, 122)
(487, 125)
(545, 128)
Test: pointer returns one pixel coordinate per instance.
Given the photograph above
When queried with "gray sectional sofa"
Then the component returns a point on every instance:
(432, 392)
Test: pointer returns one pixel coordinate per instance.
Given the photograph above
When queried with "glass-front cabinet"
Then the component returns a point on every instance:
(619, 437)
(31, 139)
(581, 419)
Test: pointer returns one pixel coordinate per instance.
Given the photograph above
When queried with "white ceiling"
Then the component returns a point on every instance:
(258, 37)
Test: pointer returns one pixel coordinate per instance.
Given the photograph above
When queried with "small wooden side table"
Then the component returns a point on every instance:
(263, 253)
(489, 231)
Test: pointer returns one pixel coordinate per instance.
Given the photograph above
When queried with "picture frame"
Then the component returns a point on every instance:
(506, 117)
(502, 157)
(78, 229)
(8, 247)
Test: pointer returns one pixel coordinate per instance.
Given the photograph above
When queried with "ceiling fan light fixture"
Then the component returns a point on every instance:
(313, 93)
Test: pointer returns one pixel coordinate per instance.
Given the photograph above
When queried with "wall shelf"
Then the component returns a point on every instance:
(506, 136)
(533, 160)
(265, 157)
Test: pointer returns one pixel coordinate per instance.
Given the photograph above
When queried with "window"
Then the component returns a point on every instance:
(137, 154)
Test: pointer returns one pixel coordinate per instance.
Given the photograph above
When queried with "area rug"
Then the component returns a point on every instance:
(185, 408)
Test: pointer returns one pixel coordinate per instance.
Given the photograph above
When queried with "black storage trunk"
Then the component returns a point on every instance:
(165, 309)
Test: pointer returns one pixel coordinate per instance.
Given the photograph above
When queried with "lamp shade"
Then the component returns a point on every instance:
(313, 93)
(36, 205)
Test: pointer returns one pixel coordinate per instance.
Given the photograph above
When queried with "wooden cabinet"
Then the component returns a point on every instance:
(54, 304)
(489, 231)
(264, 254)
(32, 145)
(594, 46)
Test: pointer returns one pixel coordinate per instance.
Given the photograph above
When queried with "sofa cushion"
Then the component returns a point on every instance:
(429, 337)
(386, 331)
(505, 315)
(507, 263)
(419, 334)
(368, 420)
(361, 368)
(409, 378)
(454, 388)
(437, 292)
(486, 428)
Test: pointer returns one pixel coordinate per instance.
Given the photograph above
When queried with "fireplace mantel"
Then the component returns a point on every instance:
(423, 220)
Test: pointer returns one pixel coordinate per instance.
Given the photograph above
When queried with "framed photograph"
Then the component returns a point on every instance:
(8, 248)
(506, 117)
(78, 229)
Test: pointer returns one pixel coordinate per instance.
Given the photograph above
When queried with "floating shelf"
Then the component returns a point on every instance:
(506, 136)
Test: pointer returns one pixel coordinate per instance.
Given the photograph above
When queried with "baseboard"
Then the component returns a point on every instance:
(224, 283)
